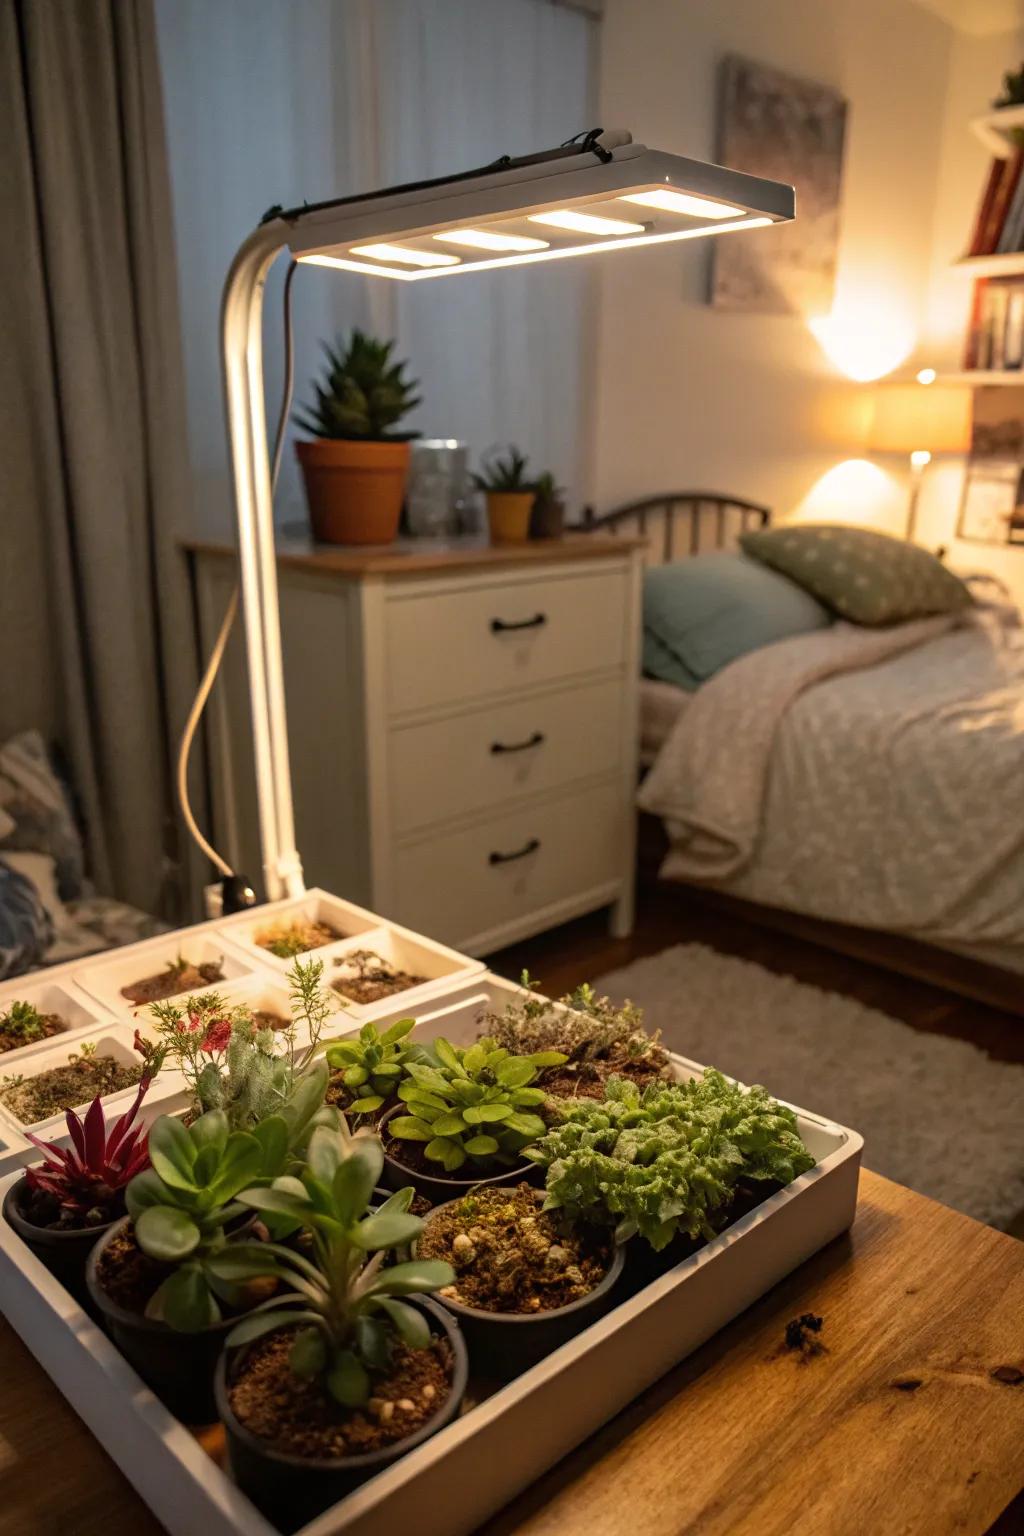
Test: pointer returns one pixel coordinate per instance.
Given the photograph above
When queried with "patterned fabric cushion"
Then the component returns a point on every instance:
(35, 811)
(865, 577)
(25, 926)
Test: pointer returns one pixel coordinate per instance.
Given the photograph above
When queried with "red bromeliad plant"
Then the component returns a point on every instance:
(89, 1177)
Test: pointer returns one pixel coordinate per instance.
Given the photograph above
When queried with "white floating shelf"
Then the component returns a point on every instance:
(994, 130)
(1000, 264)
(978, 376)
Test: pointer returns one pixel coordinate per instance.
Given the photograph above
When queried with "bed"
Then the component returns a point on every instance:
(868, 778)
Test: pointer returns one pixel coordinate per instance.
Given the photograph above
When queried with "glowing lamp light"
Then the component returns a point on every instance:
(586, 223)
(404, 254)
(920, 419)
(489, 240)
(683, 202)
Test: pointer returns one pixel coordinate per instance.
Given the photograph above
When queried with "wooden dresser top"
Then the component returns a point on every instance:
(414, 557)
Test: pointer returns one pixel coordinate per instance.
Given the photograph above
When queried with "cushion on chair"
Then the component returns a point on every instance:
(863, 576)
(702, 613)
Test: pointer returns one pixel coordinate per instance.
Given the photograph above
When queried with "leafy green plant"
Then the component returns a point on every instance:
(181, 1205)
(663, 1160)
(503, 471)
(371, 1063)
(1012, 94)
(23, 1023)
(474, 1103)
(547, 489)
(346, 1302)
(364, 394)
(585, 1026)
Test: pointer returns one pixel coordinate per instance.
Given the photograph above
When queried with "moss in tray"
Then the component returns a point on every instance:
(22, 1024)
(367, 977)
(84, 1076)
(510, 1256)
(286, 940)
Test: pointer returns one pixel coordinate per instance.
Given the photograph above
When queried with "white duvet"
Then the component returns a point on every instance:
(873, 777)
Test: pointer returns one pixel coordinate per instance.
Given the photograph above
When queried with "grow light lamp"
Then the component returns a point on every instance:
(605, 194)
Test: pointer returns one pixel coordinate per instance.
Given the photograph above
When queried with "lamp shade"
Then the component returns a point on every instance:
(909, 418)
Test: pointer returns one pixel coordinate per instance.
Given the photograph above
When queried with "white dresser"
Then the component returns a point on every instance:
(463, 730)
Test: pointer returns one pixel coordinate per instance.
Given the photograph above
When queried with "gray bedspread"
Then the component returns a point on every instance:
(864, 776)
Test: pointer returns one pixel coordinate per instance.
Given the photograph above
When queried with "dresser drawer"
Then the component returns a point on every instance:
(472, 762)
(464, 885)
(446, 647)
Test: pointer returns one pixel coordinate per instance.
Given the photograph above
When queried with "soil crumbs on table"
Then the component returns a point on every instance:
(299, 1417)
(59, 1088)
(368, 977)
(176, 977)
(509, 1255)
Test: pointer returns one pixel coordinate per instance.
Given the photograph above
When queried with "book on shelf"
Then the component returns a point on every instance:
(999, 225)
(995, 337)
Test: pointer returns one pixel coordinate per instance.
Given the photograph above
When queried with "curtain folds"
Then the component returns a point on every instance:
(98, 630)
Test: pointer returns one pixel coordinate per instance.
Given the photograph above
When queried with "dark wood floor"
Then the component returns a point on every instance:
(582, 950)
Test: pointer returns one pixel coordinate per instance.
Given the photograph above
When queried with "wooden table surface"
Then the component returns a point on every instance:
(911, 1420)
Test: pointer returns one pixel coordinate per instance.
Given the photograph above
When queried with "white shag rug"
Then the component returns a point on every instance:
(936, 1114)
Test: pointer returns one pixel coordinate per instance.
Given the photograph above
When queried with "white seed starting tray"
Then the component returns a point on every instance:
(456, 1479)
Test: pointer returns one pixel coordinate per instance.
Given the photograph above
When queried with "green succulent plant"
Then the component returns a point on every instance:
(474, 1104)
(23, 1022)
(371, 1063)
(664, 1159)
(344, 1300)
(503, 470)
(548, 490)
(364, 395)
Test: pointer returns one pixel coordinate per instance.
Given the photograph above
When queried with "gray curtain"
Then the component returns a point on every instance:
(96, 623)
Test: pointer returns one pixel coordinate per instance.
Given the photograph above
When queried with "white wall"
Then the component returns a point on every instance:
(692, 397)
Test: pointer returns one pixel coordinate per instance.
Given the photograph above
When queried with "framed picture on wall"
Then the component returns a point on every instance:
(992, 506)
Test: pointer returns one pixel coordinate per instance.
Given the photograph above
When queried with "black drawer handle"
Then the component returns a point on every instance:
(520, 853)
(497, 747)
(500, 626)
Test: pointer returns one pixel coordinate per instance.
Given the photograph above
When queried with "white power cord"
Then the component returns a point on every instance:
(227, 623)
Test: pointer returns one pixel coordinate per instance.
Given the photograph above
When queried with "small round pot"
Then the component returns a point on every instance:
(179, 1367)
(291, 1490)
(508, 516)
(354, 489)
(504, 1344)
(437, 1189)
(547, 520)
(63, 1253)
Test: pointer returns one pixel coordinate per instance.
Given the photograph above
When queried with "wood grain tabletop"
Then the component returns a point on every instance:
(909, 1420)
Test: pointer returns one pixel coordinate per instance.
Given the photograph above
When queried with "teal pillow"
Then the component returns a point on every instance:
(863, 576)
(702, 613)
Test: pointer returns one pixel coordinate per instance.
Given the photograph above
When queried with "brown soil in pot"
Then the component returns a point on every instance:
(46, 1025)
(370, 977)
(180, 976)
(286, 940)
(130, 1277)
(51, 1092)
(264, 1020)
(509, 1255)
(587, 1079)
(43, 1210)
(300, 1418)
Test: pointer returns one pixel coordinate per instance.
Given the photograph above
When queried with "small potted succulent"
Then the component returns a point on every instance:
(547, 519)
(340, 1373)
(59, 1207)
(367, 1068)
(526, 1280)
(22, 1024)
(509, 495)
(465, 1117)
(355, 467)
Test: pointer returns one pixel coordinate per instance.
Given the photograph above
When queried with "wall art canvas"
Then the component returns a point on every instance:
(775, 125)
(992, 508)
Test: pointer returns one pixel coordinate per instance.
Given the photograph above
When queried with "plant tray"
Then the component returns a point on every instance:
(497, 1447)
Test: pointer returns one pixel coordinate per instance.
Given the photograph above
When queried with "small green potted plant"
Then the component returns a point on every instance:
(547, 520)
(355, 467)
(509, 494)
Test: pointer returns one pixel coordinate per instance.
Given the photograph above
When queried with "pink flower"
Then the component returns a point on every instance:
(194, 1022)
(217, 1036)
(142, 1046)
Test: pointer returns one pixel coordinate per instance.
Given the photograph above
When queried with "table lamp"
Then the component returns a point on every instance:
(598, 194)
(920, 418)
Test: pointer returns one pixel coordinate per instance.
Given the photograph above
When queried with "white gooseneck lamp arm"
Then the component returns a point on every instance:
(605, 194)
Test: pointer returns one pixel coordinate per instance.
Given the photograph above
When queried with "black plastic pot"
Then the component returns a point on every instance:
(63, 1253)
(291, 1490)
(547, 519)
(179, 1367)
(439, 1190)
(504, 1344)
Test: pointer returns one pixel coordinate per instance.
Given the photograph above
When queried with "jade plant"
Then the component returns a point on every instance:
(503, 471)
(364, 394)
(663, 1160)
(474, 1104)
(371, 1064)
(343, 1302)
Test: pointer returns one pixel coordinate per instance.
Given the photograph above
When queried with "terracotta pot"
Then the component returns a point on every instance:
(291, 1490)
(355, 489)
(437, 1188)
(508, 516)
(504, 1344)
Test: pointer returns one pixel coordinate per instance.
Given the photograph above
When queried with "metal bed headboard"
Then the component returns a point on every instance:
(676, 524)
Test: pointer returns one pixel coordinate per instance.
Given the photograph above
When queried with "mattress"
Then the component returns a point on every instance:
(661, 705)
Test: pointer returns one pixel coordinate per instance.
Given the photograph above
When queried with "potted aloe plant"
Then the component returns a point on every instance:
(355, 467)
(508, 493)
(348, 1365)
